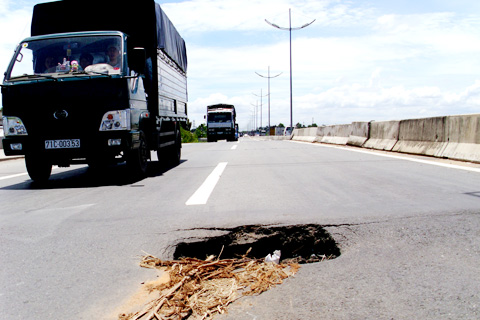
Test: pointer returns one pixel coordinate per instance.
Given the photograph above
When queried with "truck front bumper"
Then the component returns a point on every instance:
(64, 149)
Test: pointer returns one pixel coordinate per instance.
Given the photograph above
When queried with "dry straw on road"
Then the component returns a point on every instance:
(200, 288)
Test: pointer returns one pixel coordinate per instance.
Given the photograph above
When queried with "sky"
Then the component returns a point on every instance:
(359, 60)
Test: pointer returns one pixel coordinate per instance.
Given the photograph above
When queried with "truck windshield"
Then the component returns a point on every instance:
(49, 58)
(220, 117)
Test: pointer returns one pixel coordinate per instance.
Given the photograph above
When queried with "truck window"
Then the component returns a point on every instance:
(67, 55)
(220, 117)
(23, 61)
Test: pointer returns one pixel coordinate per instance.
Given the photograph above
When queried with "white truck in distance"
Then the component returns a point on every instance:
(221, 123)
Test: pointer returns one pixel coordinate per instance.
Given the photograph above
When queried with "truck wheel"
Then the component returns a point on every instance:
(137, 160)
(38, 169)
(171, 155)
(176, 153)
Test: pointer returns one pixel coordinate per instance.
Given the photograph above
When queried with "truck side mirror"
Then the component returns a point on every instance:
(137, 60)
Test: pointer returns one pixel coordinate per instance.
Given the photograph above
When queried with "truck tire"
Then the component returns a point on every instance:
(176, 153)
(171, 155)
(137, 159)
(38, 169)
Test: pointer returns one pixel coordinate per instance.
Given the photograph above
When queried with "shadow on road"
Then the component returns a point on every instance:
(85, 177)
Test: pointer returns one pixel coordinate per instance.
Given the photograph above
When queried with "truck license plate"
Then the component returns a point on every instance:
(62, 144)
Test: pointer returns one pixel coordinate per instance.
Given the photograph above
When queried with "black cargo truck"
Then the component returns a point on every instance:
(95, 87)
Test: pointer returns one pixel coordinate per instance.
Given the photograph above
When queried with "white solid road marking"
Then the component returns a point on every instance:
(234, 147)
(440, 164)
(203, 193)
(13, 176)
(21, 174)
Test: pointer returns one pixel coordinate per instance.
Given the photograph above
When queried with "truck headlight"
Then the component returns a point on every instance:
(116, 120)
(13, 126)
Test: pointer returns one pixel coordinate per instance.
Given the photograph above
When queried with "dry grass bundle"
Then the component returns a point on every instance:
(200, 288)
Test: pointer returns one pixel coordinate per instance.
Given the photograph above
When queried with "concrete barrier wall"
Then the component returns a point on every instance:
(383, 135)
(342, 134)
(463, 136)
(305, 134)
(454, 137)
(336, 134)
(273, 137)
(359, 132)
(422, 136)
(354, 134)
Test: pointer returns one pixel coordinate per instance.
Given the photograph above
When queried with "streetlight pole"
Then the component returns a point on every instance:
(255, 114)
(290, 31)
(268, 77)
(261, 106)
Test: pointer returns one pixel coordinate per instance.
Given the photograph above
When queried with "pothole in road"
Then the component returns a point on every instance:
(208, 274)
(299, 243)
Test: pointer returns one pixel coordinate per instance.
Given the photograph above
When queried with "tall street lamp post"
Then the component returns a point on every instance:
(268, 77)
(290, 31)
(261, 106)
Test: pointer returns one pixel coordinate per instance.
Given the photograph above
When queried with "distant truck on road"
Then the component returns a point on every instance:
(221, 123)
(105, 86)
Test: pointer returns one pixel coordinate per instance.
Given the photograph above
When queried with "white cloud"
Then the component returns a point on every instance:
(356, 102)
(196, 16)
(14, 26)
(444, 32)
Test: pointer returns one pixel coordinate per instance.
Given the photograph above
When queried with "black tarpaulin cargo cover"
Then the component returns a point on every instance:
(142, 20)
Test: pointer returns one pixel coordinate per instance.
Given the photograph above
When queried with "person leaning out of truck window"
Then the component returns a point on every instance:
(86, 59)
(113, 53)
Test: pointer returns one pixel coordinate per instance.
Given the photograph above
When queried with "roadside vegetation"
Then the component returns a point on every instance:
(195, 136)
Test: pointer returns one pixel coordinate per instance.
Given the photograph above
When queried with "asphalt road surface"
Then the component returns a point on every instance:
(408, 229)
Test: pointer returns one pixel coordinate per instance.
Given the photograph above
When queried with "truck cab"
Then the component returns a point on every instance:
(66, 100)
